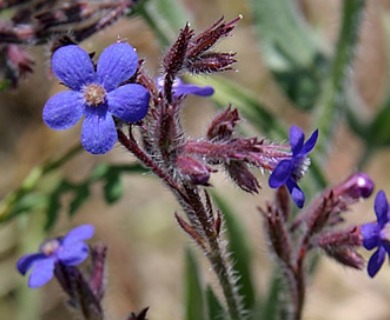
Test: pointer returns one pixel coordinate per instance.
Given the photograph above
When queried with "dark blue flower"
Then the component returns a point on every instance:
(96, 95)
(69, 250)
(377, 234)
(289, 171)
(181, 88)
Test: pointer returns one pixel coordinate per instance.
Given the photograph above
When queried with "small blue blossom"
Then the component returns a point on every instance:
(70, 250)
(181, 88)
(96, 94)
(377, 234)
(289, 171)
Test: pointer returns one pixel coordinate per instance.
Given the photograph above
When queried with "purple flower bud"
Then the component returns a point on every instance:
(359, 185)
(196, 170)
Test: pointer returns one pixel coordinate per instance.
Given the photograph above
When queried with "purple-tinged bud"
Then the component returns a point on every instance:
(242, 177)
(174, 59)
(348, 237)
(211, 62)
(190, 230)
(222, 126)
(205, 40)
(197, 171)
(347, 256)
(282, 202)
(96, 281)
(276, 229)
(359, 185)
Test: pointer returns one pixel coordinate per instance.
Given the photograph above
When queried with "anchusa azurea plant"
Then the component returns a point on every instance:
(119, 102)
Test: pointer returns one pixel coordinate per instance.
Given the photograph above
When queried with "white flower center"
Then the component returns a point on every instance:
(50, 247)
(94, 95)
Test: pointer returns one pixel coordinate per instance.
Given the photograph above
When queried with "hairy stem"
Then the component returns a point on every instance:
(193, 206)
(217, 256)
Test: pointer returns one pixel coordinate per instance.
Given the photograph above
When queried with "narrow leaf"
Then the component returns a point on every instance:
(215, 308)
(194, 304)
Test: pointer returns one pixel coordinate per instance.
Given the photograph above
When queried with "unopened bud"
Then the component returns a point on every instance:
(198, 172)
(223, 125)
(358, 185)
(347, 256)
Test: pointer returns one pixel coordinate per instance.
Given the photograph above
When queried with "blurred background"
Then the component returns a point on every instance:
(146, 247)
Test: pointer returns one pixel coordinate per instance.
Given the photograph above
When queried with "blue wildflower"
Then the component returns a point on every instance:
(289, 171)
(377, 234)
(96, 95)
(69, 250)
(180, 88)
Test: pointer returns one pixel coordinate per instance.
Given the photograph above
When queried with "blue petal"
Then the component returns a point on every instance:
(83, 232)
(26, 262)
(370, 233)
(73, 254)
(376, 261)
(381, 208)
(63, 110)
(129, 103)
(42, 272)
(310, 143)
(280, 174)
(296, 193)
(73, 66)
(98, 134)
(297, 137)
(183, 89)
(117, 63)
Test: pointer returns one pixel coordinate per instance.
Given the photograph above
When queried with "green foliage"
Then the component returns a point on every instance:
(195, 298)
(108, 174)
(214, 306)
(290, 49)
(30, 198)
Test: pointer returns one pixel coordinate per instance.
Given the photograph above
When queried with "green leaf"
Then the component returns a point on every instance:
(214, 306)
(164, 17)
(81, 195)
(54, 204)
(240, 253)
(4, 84)
(194, 304)
(270, 308)
(113, 189)
(331, 105)
(379, 130)
(290, 49)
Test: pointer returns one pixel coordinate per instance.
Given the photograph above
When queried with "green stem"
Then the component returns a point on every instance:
(332, 101)
(142, 11)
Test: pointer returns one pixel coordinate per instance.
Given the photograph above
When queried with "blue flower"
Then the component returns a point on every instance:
(377, 234)
(181, 88)
(96, 95)
(70, 250)
(289, 171)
